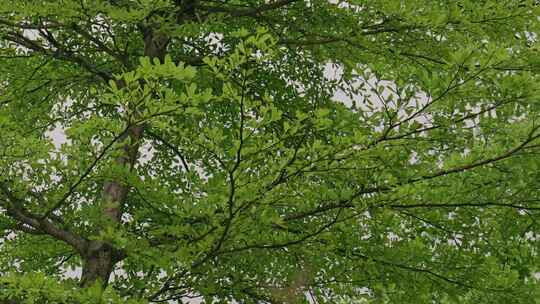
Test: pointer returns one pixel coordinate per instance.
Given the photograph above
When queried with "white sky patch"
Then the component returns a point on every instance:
(58, 136)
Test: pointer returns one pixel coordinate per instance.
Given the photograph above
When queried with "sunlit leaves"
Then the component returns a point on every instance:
(381, 152)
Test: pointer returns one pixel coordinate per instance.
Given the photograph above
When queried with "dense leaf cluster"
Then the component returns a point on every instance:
(277, 151)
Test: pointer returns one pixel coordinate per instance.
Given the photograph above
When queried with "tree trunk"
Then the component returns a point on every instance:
(100, 258)
(98, 263)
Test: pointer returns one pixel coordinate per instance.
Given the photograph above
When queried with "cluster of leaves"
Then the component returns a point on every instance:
(411, 175)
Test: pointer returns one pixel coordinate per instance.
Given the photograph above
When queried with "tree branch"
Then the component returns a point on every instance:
(60, 53)
(15, 209)
(248, 12)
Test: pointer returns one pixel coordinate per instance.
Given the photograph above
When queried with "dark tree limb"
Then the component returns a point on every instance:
(15, 209)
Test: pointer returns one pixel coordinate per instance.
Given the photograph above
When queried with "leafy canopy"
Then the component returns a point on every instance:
(269, 151)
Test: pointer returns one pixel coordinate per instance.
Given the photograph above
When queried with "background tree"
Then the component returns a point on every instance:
(269, 151)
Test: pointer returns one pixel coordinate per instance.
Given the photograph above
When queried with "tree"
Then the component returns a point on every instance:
(269, 151)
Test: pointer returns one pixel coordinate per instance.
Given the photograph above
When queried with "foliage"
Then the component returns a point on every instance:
(269, 151)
